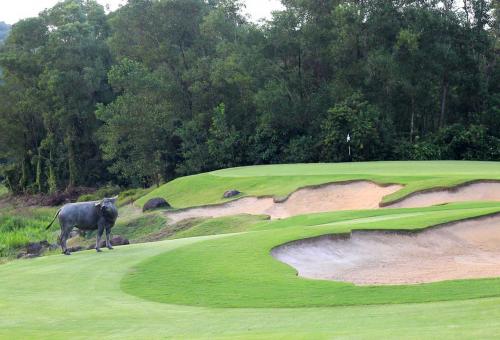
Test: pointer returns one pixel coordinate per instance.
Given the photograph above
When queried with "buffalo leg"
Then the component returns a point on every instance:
(64, 237)
(100, 231)
(108, 241)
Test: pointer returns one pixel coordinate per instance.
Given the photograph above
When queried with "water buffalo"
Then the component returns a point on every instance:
(97, 215)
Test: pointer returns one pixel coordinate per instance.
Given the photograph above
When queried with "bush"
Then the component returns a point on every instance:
(370, 132)
(18, 229)
(455, 142)
(107, 191)
(132, 195)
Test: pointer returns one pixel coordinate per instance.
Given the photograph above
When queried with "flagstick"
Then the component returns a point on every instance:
(349, 145)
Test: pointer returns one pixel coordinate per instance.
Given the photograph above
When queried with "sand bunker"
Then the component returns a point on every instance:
(479, 191)
(331, 197)
(460, 250)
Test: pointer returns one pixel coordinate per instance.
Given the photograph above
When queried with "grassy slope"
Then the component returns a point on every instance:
(281, 180)
(58, 297)
(20, 226)
(239, 272)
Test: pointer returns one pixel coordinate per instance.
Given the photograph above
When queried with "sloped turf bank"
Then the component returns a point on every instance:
(238, 271)
(79, 297)
(282, 180)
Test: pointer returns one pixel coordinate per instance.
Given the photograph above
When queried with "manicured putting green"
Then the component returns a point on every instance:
(238, 271)
(281, 180)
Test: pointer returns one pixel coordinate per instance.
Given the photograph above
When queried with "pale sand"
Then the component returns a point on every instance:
(330, 197)
(480, 191)
(461, 250)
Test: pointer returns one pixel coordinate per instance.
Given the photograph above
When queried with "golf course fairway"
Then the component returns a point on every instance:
(227, 285)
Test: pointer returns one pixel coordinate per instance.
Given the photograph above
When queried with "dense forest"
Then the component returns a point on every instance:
(164, 88)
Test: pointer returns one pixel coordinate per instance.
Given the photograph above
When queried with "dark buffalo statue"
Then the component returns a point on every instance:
(97, 215)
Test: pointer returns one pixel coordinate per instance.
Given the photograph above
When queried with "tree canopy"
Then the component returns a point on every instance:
(163, 88)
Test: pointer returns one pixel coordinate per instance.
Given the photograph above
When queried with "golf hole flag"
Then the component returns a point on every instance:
(349, 143)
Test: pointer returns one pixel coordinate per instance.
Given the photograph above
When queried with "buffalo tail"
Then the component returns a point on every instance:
(57, 214)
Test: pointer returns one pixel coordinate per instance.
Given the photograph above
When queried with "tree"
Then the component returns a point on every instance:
(136, 136)
(369, 133)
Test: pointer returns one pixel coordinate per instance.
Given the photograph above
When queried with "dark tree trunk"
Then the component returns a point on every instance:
(444, 95)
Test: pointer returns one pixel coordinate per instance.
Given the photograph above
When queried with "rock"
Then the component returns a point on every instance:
(231, 193)
(155, 203)
(34, 248)
(45, 244)
(75, 249)
(26, 256)
(77, 233)
(53, 246)
(115, 241)
(119, 241)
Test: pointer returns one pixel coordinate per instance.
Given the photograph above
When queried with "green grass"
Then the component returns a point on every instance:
(221, 225)
(228, 286)
(138, 229)
(281, 180)
(58, 297)
(19, 227)
(239, 272)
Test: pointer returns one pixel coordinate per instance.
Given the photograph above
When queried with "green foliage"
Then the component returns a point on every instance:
(3, 191)
(132, 195)
(18, 228)
(106, 191)
(365, 126)
(453, 142)
(223, 141)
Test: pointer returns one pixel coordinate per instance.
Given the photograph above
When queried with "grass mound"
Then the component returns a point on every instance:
(281, 180)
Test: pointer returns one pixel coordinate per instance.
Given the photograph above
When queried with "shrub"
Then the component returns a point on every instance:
(107, 191)
(18, 229)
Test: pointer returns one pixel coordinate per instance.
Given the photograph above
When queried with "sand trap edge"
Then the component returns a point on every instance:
(451, 189)
(348, 235)
(282, 199)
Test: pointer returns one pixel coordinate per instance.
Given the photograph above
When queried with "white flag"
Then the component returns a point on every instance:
(348, 138)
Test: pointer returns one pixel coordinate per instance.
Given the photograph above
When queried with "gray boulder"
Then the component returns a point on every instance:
(231, 193)
(34, 248)
(115, 241)
(26, 256)
(156, 203)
